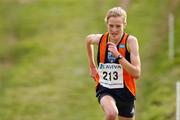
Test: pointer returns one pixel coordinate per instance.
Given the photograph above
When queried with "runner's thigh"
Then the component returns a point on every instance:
(108, 104)
(124, 118)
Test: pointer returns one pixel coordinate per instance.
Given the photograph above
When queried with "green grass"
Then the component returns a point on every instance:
(43, 64)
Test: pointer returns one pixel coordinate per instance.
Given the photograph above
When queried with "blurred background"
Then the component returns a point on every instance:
(43, 64)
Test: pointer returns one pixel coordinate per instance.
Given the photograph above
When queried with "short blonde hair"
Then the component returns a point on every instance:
(116, 12)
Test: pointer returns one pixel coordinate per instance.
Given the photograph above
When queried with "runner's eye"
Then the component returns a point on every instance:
(111, 26)
(118, 26)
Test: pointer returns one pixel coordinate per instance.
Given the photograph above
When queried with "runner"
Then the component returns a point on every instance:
(118, 66)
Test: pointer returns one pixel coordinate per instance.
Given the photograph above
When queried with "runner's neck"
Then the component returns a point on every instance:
(115, 41)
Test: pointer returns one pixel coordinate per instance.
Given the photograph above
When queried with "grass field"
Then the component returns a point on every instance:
(43, 64)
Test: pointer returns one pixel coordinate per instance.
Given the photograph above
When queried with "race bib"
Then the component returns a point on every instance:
(111, 75)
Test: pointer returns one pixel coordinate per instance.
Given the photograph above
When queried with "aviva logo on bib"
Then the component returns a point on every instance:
(101, 66)
(109, 66)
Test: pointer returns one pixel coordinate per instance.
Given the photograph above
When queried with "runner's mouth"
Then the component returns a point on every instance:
(114, 34)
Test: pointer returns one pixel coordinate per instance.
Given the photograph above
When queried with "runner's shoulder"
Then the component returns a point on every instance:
(132, 38)
(94, 38)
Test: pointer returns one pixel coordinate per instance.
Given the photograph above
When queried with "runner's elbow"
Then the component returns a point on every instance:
(136, 77)
(137, 74)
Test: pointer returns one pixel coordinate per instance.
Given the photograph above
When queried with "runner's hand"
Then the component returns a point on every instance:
(93, 72)
(112, 48)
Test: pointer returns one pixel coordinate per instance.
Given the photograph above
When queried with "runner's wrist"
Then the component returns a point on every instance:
(92, 66)
(119, 57)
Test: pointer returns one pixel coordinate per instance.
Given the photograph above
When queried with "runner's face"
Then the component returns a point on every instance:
(115, 27)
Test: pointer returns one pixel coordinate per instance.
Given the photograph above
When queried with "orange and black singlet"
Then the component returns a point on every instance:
(128, 92)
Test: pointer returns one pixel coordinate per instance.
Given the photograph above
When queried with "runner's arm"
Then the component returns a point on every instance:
(92, 40)
(133, 68)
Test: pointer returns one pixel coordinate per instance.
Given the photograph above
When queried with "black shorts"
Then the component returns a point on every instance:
(125, 106)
